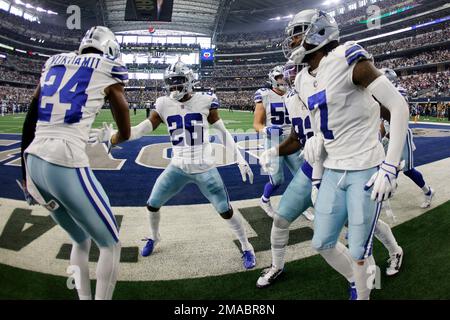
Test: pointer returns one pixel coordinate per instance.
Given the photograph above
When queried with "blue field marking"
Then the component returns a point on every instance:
(131, 186)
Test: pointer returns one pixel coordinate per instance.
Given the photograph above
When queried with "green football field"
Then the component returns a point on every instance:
(233, 120)
(425, 241)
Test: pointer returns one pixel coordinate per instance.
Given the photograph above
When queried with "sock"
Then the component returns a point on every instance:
(362, 274)
(279, 238)
(269, 189)
(238, 229)
(340, 260)
(107, 271)
(416, 177)
(154, 218)
(384, 233)
(79, 257)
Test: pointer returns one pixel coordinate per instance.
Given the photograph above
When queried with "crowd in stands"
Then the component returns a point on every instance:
(411, 42)
(416, 60)
(437, 84)
(16, 76)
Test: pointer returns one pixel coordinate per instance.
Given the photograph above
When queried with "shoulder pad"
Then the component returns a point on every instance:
(355, 52)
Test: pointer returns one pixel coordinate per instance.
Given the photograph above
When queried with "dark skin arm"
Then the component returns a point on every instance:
(290, 145)
(29, 128)
(213, 116)
(120, 111)
(365, 73)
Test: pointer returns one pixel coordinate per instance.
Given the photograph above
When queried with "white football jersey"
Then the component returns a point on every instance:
(187, 125)
(72, 93)
(346, 114)
(299, 116)
(275, 106)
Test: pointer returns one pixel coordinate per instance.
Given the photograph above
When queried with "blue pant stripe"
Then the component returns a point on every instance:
(97, 209)
(410, 152)
(105, 205)
(369, 242)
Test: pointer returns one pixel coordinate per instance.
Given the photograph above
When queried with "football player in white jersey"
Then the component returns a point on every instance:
(271, 119)
(340, 86)
(72, 90)
(409, 170)
(188, 116)
(297, 197)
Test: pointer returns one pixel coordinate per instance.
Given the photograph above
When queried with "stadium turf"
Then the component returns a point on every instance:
(233, 120)
(425, 241)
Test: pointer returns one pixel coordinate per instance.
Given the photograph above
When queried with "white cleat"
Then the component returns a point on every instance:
(427, 202)
(308, 214)
(395, 262)
(267, 207)
(268, 276)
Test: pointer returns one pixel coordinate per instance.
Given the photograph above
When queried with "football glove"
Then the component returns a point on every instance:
(384, 181)
(245, 170)
(102, 135)
(315, 191)
(273, 130)
(28, 198)
(266, 159)
(313, 149)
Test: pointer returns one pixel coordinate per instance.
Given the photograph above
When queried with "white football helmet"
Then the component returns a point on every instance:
(103, 39)
(277, 83)
(316, 27)
(390, 74)
(179, 80)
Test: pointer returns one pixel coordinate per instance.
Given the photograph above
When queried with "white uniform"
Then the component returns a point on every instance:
(348, 117)
(299, 116)
(188, 129)
(275, 106)
(345, 114)
(72, 93)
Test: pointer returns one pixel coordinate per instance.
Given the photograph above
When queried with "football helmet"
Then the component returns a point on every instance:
(277, 72)
(390, 74)
(316, 28)
(103, 39)
(179, 80)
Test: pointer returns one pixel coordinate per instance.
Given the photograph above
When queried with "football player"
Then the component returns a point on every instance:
(408, 149)
(297, 197)
(339, 87)
(72, 90)
(271, 119)
(188, 116)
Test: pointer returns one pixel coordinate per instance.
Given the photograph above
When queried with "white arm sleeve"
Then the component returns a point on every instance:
(141, 129)
(385, 92)
(227, 139)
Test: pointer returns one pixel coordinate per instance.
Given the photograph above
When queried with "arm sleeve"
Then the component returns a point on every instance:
(385, 92)
(227, 139)
(28, 130)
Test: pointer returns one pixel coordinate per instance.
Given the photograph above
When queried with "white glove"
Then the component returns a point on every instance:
(245, 170)
(315, 191)
(313, 149)
(384, 181)
(102, 135)
(267, 158)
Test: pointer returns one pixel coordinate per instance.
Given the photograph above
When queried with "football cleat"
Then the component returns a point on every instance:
(353, 294)
(149, 247)
(428, 197)
(308, 214)
(249, 259)
(268, 276)
(267, 207)
(395, 262)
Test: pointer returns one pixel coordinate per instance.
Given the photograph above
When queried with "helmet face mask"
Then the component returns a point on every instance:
(179, 81)
(290, 72)
(276, 79)
(308, 28)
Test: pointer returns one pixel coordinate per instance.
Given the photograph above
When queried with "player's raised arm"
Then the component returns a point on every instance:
(120, 111)
(230, 146)
(367, 75)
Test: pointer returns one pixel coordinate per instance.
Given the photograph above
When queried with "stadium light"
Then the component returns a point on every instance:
(39, 9)
(29, 6)
(19, 2)
(51, 12)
